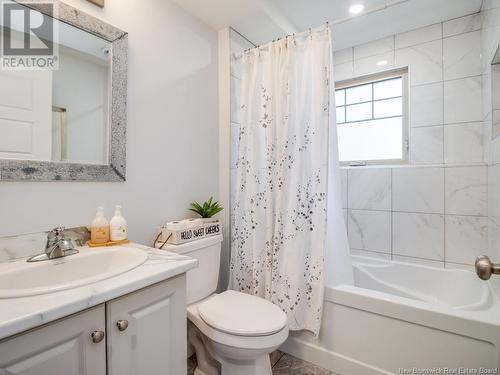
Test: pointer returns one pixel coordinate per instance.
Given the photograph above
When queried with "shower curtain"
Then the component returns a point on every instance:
(280, 207)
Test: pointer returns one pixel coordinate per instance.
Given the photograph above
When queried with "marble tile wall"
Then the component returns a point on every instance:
(426, 214)
(435, 210)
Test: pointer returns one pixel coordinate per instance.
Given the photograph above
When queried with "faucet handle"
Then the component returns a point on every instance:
(56, 232)
(485, 268)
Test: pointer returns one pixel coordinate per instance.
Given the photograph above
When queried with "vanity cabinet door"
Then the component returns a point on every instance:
(147, 330)
(63, 347)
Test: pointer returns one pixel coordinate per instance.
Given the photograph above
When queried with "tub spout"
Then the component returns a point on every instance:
(485, 268)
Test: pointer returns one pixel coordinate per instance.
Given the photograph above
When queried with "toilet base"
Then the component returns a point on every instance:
(259, 366)
(212, 361)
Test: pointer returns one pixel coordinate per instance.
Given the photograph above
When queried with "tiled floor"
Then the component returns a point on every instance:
(283, 364)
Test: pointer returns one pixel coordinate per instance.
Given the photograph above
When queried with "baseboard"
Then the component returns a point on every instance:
(329, 360)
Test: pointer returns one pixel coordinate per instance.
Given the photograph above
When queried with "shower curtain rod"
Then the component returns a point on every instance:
(309, 31)
(238, 56)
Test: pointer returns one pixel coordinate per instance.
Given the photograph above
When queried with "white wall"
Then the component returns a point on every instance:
(172, 142)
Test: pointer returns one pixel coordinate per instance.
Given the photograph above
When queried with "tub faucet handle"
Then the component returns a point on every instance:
(485, 268)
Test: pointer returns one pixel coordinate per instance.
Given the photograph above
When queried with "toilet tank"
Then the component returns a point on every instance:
(201, 281)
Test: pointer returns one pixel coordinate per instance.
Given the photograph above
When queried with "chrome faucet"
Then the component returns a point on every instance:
(57, 246)
(485, 268)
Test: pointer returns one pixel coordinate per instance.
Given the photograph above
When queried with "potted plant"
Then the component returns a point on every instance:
(207, 210)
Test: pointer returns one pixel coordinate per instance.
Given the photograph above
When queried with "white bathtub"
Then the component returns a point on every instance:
(404, 317)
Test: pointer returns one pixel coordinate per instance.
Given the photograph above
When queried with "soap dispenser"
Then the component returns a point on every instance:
(99, 229)
(118, 226)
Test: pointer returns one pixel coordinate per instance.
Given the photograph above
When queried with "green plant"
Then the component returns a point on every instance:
(208, 209)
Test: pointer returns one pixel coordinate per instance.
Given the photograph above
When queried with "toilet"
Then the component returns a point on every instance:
(232, 333)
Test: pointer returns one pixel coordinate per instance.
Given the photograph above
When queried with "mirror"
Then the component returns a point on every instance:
(62, 95)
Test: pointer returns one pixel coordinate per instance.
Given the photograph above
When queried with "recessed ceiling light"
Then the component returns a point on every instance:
(356, 8)
(382, 62)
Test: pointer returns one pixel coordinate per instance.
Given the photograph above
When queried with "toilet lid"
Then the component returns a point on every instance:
(242, 314)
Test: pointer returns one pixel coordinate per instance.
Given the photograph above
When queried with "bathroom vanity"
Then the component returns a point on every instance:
(131, 323)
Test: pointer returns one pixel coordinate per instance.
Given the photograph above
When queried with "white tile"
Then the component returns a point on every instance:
(342, 56)
(343, 187)
(494, 201)
(462, 55)
(487, 94)
(425, 62)
(235, 100)
(426, 145)
(376, 47)
(418, 36)
(419, 261)
(418, 189)
(495, 123)
(466, 238)
(462, 25)
(493, 79)
(466, 190)
(490, 4)
(370, 65)
(463, 143)
(370, 230)
(457, 266)
(493, 239)
(418, 235)
(462, 100)
(343, 71)
(370, 254)
(426, 105)
(369, 188)
(494, 156)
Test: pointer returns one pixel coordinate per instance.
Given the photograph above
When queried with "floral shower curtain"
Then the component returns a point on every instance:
(280, 203)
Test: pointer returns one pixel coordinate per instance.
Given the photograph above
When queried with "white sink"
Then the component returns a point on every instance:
(22, 279)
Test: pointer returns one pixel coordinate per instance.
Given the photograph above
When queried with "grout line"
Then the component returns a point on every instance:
(279, 359)
(417, 213)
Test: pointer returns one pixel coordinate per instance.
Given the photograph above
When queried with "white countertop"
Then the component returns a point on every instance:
(20, 314)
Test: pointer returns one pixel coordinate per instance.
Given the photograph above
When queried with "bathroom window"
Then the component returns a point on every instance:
(371, 119)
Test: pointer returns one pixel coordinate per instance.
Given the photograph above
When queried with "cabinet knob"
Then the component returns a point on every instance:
(97, 336)
(122, 325)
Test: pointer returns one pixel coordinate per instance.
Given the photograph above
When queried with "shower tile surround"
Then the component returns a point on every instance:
(437, 204)
(435, 209)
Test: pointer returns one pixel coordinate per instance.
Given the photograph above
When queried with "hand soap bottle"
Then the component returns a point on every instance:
(99, 229)
(118, 226)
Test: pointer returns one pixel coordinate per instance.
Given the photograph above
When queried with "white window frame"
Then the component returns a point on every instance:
(372, 78)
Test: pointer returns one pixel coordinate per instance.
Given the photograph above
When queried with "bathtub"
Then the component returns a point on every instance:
(401, 318)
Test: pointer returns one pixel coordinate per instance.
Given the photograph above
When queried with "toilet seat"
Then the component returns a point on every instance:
(231, 340)
(242, 314)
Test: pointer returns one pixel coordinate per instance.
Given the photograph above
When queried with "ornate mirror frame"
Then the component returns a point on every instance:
(31, 170)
